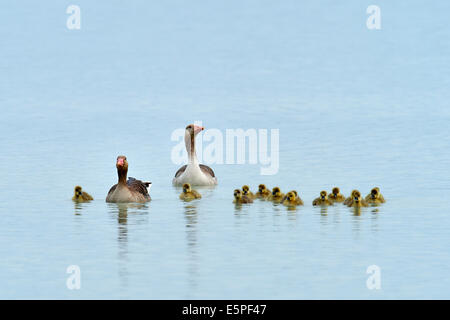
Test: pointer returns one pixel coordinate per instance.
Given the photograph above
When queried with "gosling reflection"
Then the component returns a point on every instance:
(78, 208)
(190, 213)
(356, 211)
(324, 211)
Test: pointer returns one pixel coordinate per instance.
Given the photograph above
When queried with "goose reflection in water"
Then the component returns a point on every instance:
(121, 211)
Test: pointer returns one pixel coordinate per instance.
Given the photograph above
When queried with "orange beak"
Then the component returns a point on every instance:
(197, 129)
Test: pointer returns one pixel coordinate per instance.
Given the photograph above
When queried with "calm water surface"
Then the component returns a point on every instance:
(355, 108)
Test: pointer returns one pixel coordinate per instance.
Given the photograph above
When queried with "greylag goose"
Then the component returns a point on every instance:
(131, 190)
(194, 173)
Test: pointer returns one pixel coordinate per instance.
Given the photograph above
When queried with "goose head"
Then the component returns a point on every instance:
(237, 194)
(261, 188)
(323, 195)
(122, 163)
(189, 136)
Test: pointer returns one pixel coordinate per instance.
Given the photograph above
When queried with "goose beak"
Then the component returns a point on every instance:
(197, 129)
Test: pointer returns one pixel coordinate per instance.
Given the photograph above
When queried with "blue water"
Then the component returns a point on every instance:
(355, 108)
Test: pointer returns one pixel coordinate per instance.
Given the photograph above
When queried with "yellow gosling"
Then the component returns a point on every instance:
(298, 200)
(290, 199)
(277, 196)
(356, 200)
(336, 195)
(349, 199)
(80, 195)
(263, 192)
(188, 193)
(246, 192)
(322, 200)
(375, 197)
(239, 198)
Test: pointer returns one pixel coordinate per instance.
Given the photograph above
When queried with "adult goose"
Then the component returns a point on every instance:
(131, 190)
(194, 173)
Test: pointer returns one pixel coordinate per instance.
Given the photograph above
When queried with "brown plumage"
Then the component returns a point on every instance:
(80, 195)
(131, 190)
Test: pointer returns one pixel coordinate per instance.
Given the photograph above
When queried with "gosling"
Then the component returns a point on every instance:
(188, 194)
(263, 192)
(246, 192)
(277, 196)
(298, 200)
(356, 200)
(291, 199)
(375, 196)
(239, 198)
(336, 195)
(80, 195)
(322, 200)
